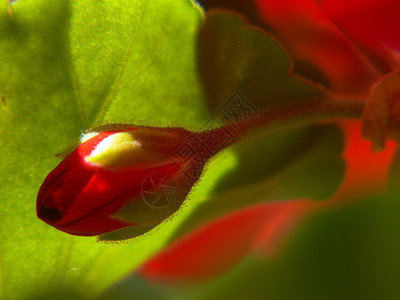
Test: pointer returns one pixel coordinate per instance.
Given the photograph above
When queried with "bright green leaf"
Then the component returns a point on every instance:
(135, 60)
(64, 65)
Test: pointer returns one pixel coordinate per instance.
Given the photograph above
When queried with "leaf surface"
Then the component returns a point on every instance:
(66, 65)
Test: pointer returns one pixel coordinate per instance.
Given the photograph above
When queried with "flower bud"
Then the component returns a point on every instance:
(125, 180)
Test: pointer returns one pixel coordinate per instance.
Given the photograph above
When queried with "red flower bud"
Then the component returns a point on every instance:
(116, 179)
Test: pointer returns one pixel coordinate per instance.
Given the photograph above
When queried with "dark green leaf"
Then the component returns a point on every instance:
(301, 163)
(235, 57)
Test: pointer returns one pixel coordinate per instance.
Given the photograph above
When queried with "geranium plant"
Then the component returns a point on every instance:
(197, 140)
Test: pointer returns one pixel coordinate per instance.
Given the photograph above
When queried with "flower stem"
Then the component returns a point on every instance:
(290, 116)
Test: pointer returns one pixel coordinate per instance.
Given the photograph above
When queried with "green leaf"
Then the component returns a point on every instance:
(236, 57)
(65, 65)
(125, 56)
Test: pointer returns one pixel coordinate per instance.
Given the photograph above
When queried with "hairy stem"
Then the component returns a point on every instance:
(290, 116)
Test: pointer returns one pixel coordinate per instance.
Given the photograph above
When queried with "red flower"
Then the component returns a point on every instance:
(109, 171)
(353, 43)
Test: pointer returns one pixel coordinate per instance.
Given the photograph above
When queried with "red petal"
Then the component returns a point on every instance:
(106, 192)
(219, 245)
(366, 170)
(281, 219)
(312, 37)
(373, 23)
